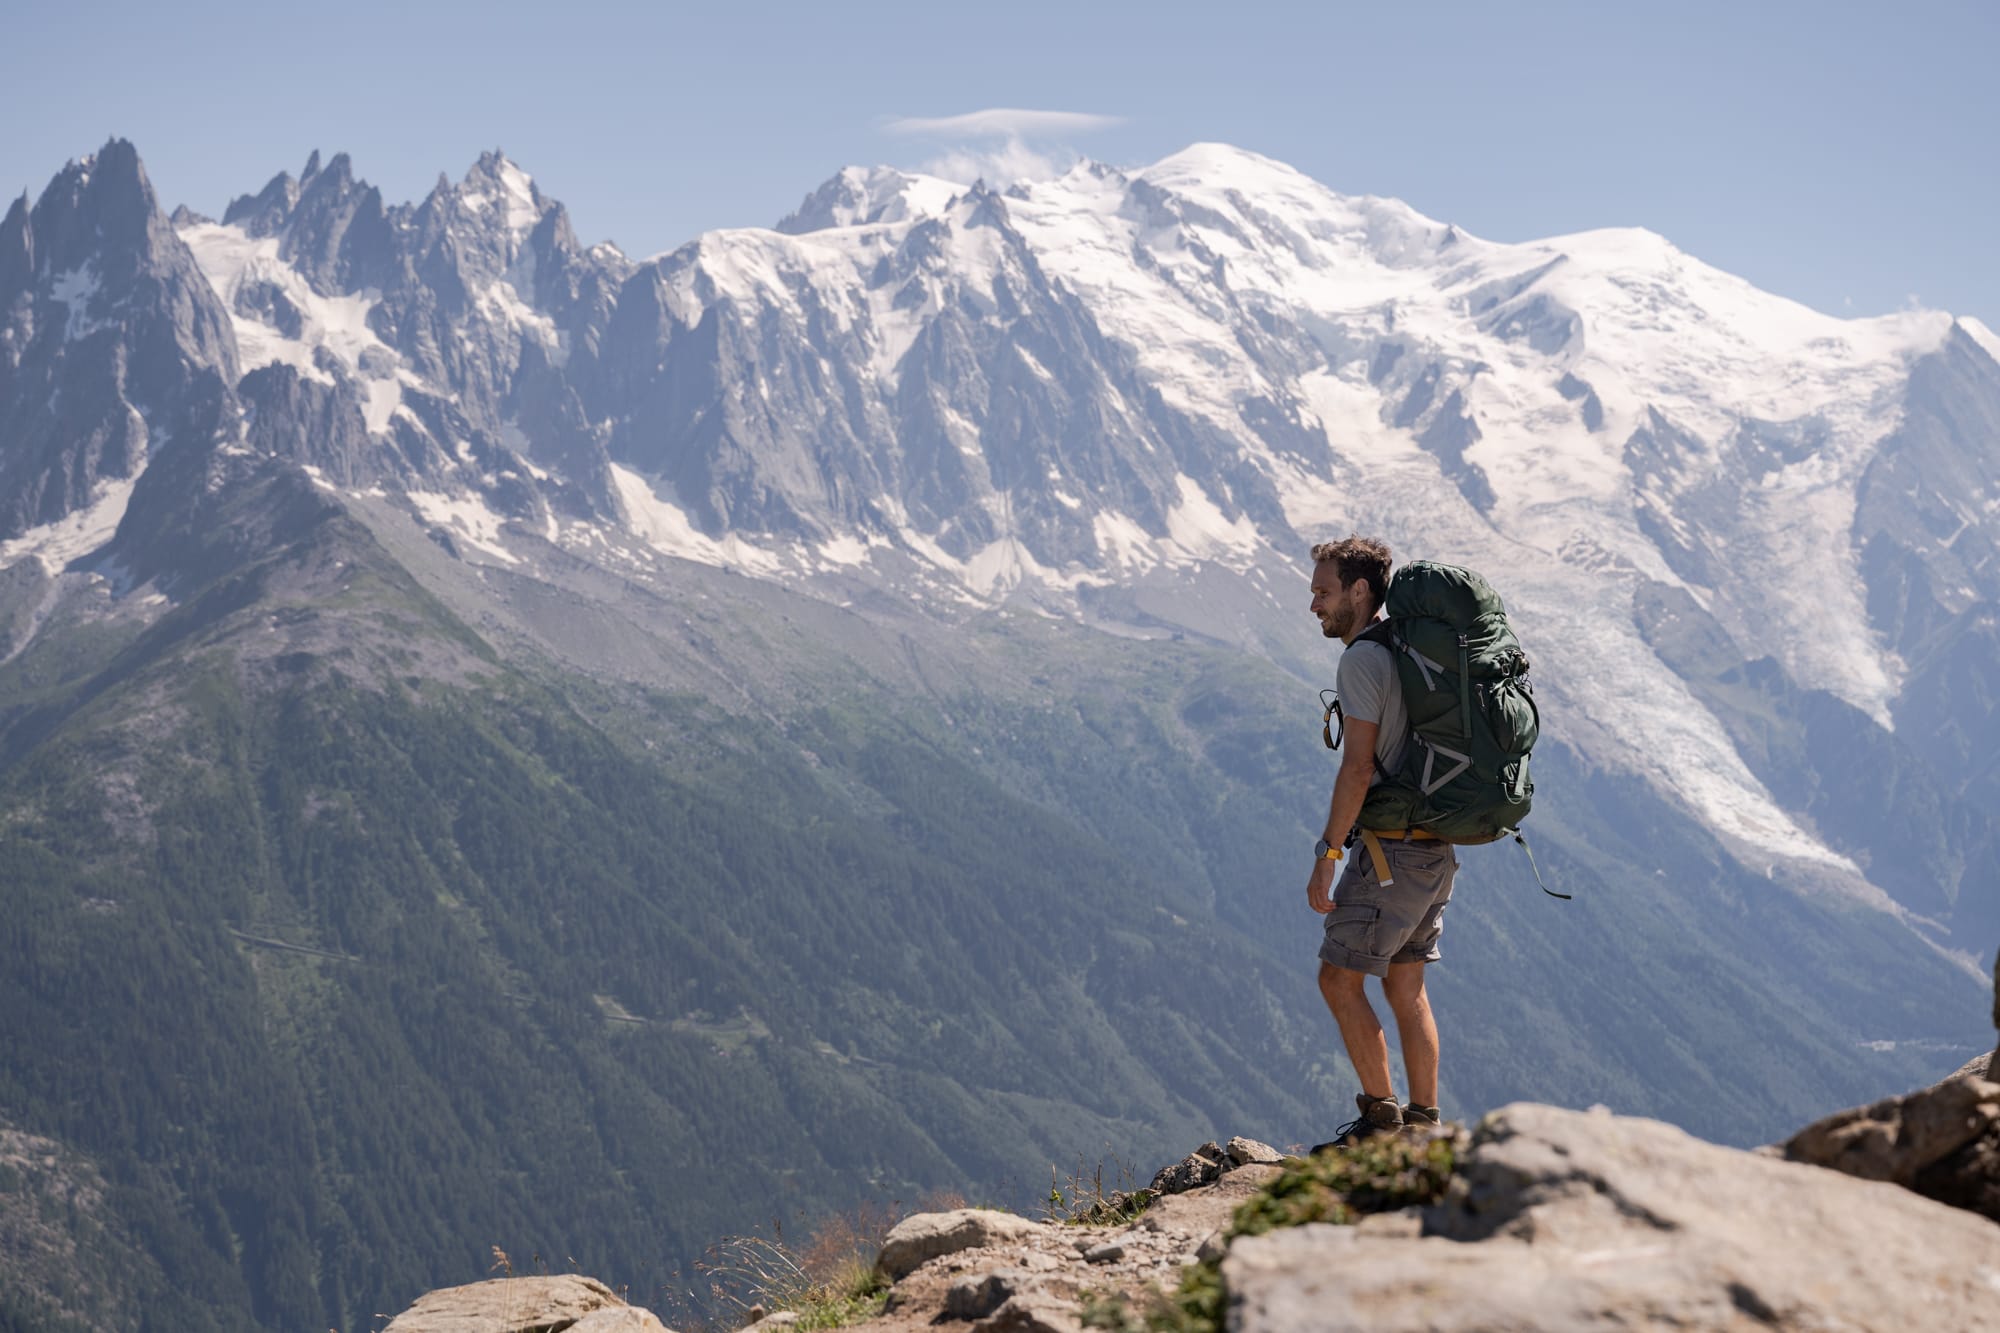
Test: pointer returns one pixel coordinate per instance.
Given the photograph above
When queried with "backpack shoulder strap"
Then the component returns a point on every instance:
(1382, 632)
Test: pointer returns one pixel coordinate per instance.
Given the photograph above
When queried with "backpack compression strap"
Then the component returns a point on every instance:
(1566, 897)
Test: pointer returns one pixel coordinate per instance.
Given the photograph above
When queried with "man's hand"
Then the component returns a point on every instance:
(1350, 789)
(1319, 889)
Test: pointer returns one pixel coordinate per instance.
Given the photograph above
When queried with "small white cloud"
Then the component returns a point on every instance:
(999, 167)
(1031, 146)
(1004, 123)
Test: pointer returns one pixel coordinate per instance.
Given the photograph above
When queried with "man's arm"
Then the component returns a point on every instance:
(1350, 789)
(1357, 772)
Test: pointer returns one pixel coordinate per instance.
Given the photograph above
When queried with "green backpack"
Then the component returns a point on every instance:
(1464, 775)
(1473, 721)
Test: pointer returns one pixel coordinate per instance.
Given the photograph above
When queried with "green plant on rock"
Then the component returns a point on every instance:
(1338, 1186)
(1373, 1176)
(1084, 1200)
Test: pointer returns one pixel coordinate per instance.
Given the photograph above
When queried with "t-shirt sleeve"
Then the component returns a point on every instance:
(1366, 675)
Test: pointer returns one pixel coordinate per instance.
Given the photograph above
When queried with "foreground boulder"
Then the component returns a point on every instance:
(1942, 1142)
(565, 1303)
(1573, 1220)
(922, 1237)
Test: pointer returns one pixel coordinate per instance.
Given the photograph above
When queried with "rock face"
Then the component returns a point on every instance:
(1568, 1220)
(111, 343)
(557, 1304)
(1942, 1142)
(1203, 1166)
(1210, 1163)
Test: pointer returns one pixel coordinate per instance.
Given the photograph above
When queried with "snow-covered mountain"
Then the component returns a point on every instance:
(1126, 397)
(841, 696)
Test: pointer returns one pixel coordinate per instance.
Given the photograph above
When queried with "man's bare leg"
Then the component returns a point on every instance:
(1361, 1031)
(1415, 1028)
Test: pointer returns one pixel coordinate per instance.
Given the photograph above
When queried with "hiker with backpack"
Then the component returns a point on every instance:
(1437, 720)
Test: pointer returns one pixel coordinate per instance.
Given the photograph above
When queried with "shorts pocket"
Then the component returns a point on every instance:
(1419, 858)
(1356, 928)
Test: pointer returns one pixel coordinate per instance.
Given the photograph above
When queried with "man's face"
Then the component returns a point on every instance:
(1336, 605)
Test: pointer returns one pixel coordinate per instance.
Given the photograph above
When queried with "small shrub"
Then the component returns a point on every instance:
(1084, 1200)
(829, 1280)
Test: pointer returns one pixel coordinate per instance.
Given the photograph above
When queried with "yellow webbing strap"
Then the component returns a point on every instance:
(1372, 840)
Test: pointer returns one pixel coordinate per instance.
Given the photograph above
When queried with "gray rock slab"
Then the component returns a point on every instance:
(922, 1237)
(510, 1305)
(630, 1319)
(1977, 1066)
(1032, 1312)
(980, 1294)
(1242, 1151)
(1943, 1142)
(1585, 1220)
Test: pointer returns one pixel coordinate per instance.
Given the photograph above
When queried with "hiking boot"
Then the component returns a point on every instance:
(1417, 1117)
(1379, 1115)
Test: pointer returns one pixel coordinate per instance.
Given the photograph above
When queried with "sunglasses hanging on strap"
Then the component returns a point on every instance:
(1332, 722)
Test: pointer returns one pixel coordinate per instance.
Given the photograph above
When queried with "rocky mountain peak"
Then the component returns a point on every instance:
(500, 221)
(17, 249)
(865, 196)
(339, 234)
(102, 308)
(99, 211)
(266, 212)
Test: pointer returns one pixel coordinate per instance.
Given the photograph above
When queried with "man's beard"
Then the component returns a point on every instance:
(1336, 625)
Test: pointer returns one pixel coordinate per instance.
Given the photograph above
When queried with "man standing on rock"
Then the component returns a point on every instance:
(1386, 930)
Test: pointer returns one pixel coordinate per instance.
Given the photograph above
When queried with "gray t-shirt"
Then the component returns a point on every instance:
(1369, 692)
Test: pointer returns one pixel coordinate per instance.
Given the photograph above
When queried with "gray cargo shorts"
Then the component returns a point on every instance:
(1371, 926)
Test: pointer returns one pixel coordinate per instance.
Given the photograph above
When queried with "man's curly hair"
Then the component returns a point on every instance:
(1358, 558)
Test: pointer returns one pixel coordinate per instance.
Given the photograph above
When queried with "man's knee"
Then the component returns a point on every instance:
(1404, 986)
(1341, 984)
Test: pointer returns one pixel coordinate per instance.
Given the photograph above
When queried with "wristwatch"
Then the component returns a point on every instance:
(1325, 851)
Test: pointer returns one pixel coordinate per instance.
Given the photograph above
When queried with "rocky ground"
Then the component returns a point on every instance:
(1552, 1220)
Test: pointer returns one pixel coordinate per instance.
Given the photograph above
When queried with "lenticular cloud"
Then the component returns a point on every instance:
(1004, 123)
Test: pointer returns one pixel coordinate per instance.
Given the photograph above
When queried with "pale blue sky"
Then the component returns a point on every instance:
(1840, 154)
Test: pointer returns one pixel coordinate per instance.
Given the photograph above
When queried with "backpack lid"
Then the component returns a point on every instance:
(1449, 593)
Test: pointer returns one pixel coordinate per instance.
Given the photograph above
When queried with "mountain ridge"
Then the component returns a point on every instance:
(1061, 488)
(685, 688)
